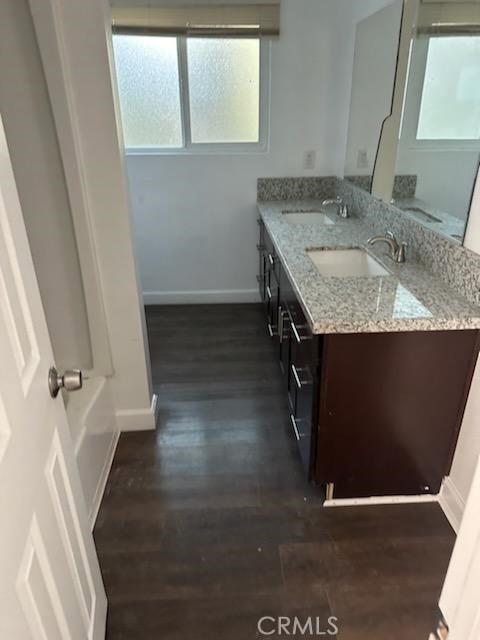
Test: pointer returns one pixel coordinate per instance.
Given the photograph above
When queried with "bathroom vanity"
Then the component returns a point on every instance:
(377, 357)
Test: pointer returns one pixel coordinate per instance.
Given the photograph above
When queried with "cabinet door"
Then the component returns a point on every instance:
(272, 258)
(284, 331)
(390, 410)
(262, 263)
(272, 301)
(269, 279)
(284, 338)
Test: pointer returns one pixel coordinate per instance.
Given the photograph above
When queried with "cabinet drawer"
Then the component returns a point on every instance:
(303, 434)
(272, 294)
(302, 388)
(263, 277)
(262, 274)
(273, 262)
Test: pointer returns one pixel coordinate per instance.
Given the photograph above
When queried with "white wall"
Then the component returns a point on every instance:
(195, 215)
(374, 65)
(444, 178)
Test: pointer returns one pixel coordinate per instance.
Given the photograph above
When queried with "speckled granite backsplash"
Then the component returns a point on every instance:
(457, 266)
(404, 187)
(276, 189)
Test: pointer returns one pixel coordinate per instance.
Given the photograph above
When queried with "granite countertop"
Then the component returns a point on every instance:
(410, 299)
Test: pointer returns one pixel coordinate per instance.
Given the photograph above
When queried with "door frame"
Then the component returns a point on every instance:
(74, 39)
(47, 19)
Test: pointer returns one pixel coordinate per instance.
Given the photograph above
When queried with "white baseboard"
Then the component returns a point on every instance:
(102, 482)
(452, 503)
(138, 419)
(201, 297)
(375, 500)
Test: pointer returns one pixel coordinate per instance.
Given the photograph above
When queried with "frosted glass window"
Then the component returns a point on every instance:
(149, 88)
(450, 107)
(224, 88)
(185, 93)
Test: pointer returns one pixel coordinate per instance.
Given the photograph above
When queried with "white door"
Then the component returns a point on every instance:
(50, 582)
(459, 601)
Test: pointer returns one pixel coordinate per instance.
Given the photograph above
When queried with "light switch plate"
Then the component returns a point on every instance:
(362, 159)
(310, 160)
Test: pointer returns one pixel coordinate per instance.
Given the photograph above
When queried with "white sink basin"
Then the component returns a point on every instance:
(346, 263)
(306, 217)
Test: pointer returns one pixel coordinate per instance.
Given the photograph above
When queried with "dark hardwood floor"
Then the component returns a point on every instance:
(208, 524)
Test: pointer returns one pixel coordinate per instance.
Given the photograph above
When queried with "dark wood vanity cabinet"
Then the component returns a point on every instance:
(373, 413)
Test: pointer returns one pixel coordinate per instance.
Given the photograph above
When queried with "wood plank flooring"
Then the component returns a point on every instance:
(208, 524)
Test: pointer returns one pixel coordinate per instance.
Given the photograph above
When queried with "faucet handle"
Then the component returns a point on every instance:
(396, 244)
(337, 200)
(402, 252)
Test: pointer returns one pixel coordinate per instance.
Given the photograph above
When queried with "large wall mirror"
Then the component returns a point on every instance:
(428, 154)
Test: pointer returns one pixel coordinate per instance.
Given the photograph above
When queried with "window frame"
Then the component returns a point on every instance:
(195, 148)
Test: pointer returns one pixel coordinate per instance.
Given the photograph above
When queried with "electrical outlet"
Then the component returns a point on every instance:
(310, 160)
(362, 159)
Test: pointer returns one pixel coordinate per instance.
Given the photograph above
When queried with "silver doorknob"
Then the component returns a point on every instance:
(71, 380)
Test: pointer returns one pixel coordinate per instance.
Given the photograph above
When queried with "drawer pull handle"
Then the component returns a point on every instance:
(281, 316)
(295, 375)
(298, 337)
(300, 383)
(271, 259)
(271, 331)
(294, 425)
(269, 292)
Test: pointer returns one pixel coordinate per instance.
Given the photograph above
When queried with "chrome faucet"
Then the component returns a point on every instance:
(342, 210)
(398, 250)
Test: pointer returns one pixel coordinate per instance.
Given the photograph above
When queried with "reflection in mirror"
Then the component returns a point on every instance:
(375, 61)
(439, 142)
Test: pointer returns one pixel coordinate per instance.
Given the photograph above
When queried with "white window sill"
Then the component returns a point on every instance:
(200, 150)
